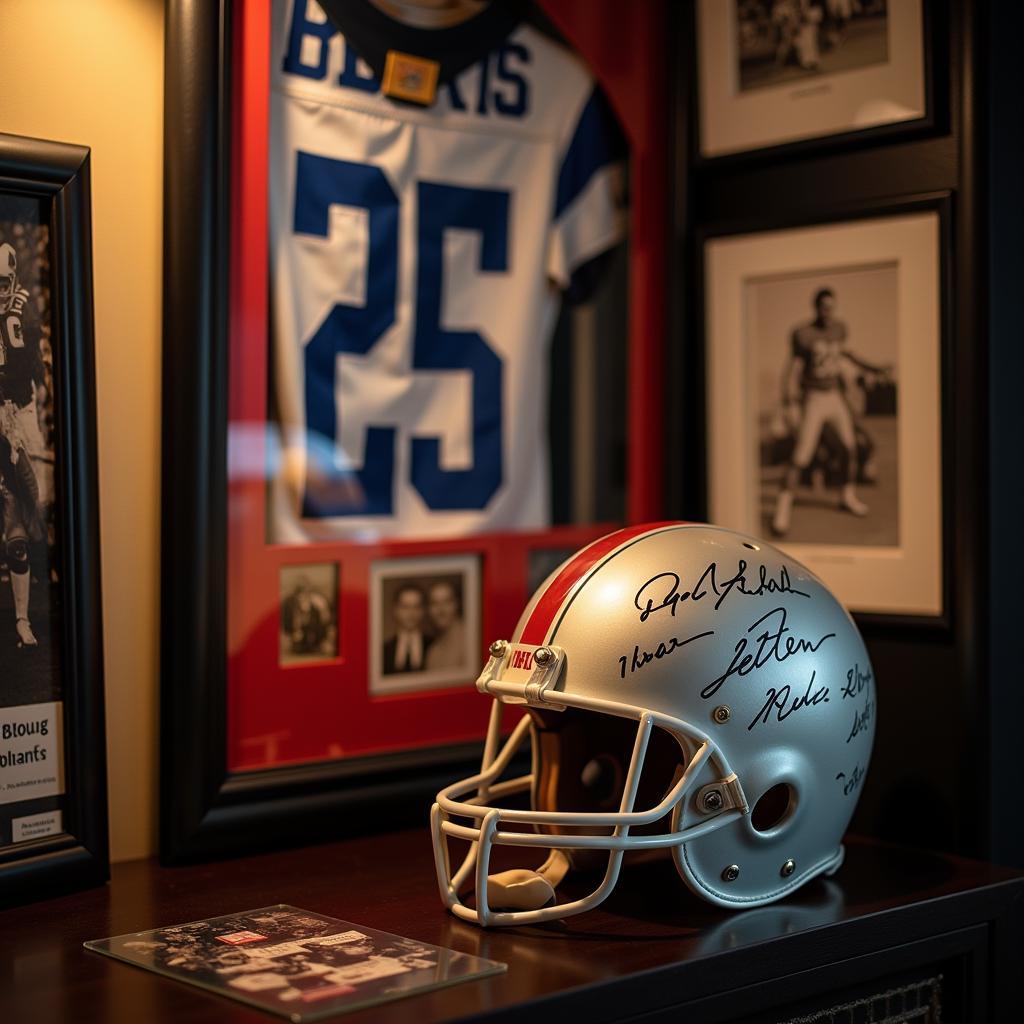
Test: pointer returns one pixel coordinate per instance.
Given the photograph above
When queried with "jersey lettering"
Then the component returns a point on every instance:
(516, 101)
(319, 35)
(309, 39)
(352, 73)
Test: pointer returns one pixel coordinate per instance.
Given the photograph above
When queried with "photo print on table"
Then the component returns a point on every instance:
(294, 963)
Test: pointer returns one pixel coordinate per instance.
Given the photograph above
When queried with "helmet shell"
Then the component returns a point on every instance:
(735, 638)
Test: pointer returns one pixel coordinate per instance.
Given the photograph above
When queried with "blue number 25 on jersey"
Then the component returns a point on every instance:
(322, 182)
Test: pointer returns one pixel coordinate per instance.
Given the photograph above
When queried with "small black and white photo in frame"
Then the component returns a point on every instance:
(781, 41)
(425, 623)
(824, 401)
(826, 348)
(773, 72)
(309, 613)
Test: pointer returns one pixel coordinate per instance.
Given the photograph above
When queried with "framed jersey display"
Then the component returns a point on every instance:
(53, 819)
(825, 398)
(424, 317)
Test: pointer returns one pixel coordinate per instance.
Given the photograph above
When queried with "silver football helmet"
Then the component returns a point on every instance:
(686, 688)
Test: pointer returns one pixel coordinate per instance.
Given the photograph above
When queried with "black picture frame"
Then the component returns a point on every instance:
(936, 626)
(206, 811)
(935, 28)
(937, 679)
(58, 175)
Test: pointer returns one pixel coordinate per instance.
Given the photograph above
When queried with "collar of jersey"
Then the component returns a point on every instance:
(372, 33)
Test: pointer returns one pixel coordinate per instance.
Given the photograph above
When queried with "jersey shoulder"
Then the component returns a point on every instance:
(561, 82)
(552, 58)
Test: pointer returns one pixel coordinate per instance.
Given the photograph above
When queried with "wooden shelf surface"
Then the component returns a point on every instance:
(650, 947)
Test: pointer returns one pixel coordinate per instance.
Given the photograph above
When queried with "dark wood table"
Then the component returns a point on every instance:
(650, 951)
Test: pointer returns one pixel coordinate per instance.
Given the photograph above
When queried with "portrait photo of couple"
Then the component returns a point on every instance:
(426, 623)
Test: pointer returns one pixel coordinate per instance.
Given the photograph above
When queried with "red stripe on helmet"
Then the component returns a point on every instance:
(544, 611)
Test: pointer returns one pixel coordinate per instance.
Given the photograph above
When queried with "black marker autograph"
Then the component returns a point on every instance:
(851, 782)
(862, 719)
(777, 700)
(666, 593)
(772, 644)
(856, 681)
(641, 659)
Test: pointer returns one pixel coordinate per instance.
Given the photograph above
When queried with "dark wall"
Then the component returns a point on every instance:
(1004, 153)
(947, 765)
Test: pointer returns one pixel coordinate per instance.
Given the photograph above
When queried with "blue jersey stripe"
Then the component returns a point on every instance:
(594, 145)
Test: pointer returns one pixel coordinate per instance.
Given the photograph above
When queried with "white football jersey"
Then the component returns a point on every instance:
(416, 260)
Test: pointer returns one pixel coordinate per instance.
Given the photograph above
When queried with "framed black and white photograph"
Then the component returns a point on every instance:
(52, 783)
(309, 613)
(781, 71)
(825, 345)
(425, 623)
(824, 404)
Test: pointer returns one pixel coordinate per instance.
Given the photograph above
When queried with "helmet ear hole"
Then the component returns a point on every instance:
(773, 806)
(602, 779)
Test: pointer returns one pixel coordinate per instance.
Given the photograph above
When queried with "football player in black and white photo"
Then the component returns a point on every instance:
(22, 385)
(820, 372)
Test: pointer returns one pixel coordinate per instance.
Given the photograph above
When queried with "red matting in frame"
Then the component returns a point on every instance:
(279, 715)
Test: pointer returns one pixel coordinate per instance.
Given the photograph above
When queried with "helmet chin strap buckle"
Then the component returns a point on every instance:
(523, 889)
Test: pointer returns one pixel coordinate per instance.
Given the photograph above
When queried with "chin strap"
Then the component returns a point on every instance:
(523, 889)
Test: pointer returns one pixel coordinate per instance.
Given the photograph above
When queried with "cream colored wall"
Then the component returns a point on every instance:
(91, 72)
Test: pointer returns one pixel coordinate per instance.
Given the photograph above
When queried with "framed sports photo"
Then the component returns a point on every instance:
(390, 374)
(53, 818)
(824, 355)
(775, 72)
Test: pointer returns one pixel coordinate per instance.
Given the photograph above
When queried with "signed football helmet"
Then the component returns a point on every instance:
(684, 687)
